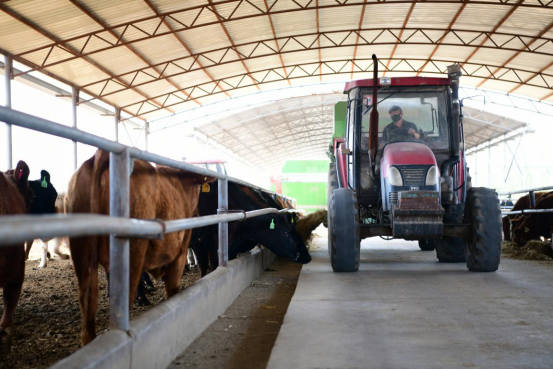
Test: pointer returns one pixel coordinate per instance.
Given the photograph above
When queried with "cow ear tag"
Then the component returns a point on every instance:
(44, 183)
(292, 220)
(526, 229)
(205, 187)
(272, 226)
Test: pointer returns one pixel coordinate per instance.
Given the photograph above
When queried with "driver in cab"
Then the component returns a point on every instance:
(399, 127)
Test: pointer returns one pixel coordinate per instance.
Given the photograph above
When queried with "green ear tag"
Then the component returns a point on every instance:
(292, 220)
(272, 226)
(44, 183)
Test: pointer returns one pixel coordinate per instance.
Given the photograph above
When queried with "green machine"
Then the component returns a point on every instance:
(306, 180)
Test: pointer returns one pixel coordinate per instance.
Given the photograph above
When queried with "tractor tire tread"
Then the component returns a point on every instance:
(342, 259)
(483, 251)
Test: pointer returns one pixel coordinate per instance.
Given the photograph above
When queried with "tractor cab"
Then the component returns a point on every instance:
(401, 166)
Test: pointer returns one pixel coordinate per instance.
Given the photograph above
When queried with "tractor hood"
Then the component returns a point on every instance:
(406, 153)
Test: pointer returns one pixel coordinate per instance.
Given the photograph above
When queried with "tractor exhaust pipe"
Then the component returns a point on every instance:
(454, 73)
(373, 125)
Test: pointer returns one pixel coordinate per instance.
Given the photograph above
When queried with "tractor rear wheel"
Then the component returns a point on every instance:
(344, 241)
(427, 244)
(483, 249)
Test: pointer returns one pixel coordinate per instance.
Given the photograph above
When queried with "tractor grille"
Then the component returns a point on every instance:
(393, 197)
(414, 176)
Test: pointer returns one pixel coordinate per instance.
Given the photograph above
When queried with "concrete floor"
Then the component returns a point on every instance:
(405, 310)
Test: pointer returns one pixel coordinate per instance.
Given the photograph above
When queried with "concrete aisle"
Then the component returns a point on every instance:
(405, 310)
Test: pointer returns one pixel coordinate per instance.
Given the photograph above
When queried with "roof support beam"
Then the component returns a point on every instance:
(220, 20)
(70, 49)
(296, 7)
(499, 24)
(449, 27)
(276, 40)
(532, 77)
(358, 36)
(184, 45)
(526, 47)
(100, 22)
(400, 36)
(19, 59)
(467, 37)
(319, 38)
(343, 71)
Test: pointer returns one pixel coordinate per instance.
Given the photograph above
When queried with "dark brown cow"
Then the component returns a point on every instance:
(155, 193)
(521, 204)
(534, 226)
(15, 198)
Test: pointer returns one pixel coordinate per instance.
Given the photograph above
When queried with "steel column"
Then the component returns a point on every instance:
(74, 102)
(223, 227)
(117, 119)
(146, 132)
(8, 73)
(119, 189)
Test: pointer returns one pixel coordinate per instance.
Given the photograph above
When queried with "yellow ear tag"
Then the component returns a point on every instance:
(205, 187)
(292, 220)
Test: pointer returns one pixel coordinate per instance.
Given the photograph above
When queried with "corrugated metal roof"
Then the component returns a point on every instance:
(155, 57)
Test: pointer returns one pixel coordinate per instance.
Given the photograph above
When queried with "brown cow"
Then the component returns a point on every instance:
(15, 198)
(155, 193)
(521, 204)
(532, 226)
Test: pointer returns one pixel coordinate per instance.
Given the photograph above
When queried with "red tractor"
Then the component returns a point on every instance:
(405, 175)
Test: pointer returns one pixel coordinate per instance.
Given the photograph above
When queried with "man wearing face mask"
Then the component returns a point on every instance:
(399, 127)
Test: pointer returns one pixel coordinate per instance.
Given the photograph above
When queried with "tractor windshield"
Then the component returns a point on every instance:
(408, 114)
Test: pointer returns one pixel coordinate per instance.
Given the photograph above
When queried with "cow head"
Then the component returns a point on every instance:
(20, 176)
(531, 228)
(276, 234)
(45, 195)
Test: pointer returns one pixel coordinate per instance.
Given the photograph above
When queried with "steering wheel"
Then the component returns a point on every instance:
(398, 132)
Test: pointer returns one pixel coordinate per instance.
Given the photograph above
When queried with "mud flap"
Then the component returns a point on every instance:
(418, 214)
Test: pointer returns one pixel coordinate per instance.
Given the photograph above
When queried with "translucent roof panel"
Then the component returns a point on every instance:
(153, 57)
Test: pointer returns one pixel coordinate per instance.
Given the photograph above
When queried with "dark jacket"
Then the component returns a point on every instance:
(392, 127)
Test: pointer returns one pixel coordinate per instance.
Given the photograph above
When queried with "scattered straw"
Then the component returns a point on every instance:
(533, 250)
(307, 225)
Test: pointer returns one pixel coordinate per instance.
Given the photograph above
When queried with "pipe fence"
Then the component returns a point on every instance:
(20, 228)
(532, 193)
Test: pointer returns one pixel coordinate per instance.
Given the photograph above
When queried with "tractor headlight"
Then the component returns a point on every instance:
(395, 177)
(432, 176)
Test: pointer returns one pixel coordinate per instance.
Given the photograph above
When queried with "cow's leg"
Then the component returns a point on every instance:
(85, 260)
(137, 255)
(214, 255)
(57, 243)
(173, 274)
(11, 293)
(28, 246)
(45, 255)
(202, 257)
(141, 299)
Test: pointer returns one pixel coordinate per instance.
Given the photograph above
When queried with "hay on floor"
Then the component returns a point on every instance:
(533, 250)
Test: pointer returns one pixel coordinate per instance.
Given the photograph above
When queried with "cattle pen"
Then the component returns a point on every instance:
(122, 345)
(532, 194)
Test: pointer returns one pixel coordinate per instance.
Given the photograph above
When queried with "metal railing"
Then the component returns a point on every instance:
(532, 193)
(17, 229)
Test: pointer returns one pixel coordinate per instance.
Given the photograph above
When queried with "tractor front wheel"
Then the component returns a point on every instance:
(483, 249)
(344, 241)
